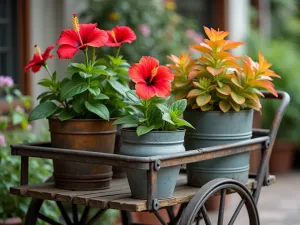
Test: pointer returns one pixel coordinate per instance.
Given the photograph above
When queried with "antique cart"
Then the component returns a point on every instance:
(191, 200)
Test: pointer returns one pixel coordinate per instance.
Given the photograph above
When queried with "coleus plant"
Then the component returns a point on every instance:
(95, 88)
(147, 107)
(216, 80)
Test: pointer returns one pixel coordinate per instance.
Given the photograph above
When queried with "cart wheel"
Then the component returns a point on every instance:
(196, 210)
(69, 216)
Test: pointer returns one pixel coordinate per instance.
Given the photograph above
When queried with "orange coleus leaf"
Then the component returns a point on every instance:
(231, 44)
(263, 64)
(214, 35)
(202, 47)
(268, 85)
(195, 92)
(193, 74)
(174, 59)
(202, 100)
(215, 45)
(237, 98)
(253, 105)
(179, 84)
(224, 106)
(214, 71)
(235, 106)
(206, 107)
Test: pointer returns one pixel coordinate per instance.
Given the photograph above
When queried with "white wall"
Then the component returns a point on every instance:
(238, 22)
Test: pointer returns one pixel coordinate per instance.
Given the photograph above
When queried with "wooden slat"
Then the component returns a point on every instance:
(116, 197)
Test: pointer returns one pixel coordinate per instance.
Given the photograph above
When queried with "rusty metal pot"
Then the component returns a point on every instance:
(89, 135)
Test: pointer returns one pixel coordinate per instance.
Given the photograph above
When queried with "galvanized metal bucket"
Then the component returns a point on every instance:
(89, 135)
(217, 128)
(152, 144)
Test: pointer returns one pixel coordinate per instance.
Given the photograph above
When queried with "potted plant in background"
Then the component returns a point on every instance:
(221, 96)
(156, 126)
(14, 128)
(82, 108)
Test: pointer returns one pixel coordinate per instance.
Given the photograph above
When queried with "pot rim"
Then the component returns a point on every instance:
(220, 112)
(180, 130)
(84, 120)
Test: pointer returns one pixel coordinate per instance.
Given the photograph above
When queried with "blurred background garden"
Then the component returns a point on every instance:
(163, 27)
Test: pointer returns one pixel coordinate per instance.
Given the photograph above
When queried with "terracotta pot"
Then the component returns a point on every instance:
(11, 221)
(88, 135)
(282, 156)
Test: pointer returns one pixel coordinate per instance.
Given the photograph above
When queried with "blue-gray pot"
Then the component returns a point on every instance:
(218, 128)
(152, 144)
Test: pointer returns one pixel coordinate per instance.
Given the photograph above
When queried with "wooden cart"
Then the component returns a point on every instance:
(192, 200)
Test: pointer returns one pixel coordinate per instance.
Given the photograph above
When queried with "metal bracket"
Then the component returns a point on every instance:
(157, 165)
(155, 204)
(267, 144)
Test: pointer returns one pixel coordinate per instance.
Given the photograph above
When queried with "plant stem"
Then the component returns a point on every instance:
(146, 113)
(86, 57)
(48, 71)
(118, 52)
(94, 55)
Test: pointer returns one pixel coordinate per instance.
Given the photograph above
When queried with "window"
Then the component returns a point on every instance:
(9, 55)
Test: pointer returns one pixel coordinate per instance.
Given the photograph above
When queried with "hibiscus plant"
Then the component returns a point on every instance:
(216, 80)
(93, 89)
(146, 106)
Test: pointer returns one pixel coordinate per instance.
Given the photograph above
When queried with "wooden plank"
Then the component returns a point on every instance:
(104, 202)
(117, 184)
(84, 199)
(22, 190)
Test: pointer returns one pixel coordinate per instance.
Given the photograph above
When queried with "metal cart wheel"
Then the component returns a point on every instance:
(196, 213)
(67, 217)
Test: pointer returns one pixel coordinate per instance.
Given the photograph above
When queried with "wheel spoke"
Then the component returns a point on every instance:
(158, 216)
(75, 214)
(205, 215)
(236, 212)
(96, 216)
(85, 214)
(170, 213)
(181, 209)
(64, 213)
(199, 217)
(221, 207)
(47, 219)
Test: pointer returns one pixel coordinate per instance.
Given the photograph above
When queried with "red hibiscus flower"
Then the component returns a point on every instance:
(120, 35)
(39, 59)
(150, 78)
(80, 37)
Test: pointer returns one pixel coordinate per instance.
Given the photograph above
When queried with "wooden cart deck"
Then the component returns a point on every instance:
(118, 196)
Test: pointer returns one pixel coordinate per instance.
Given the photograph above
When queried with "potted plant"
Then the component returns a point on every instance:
(221, 95)
(82, 107)
(156, 126)
(14, 128)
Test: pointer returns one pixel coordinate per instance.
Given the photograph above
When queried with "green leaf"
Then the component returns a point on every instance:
(73, 87)
(78, 103)
(18, 93)
(118, 87)
(163, 108)
(77, 67)
(98, 108)
(101, 96)
(44, 94)
(65, 115)
(99, 70)
(130, 119)
(182, 123)
(178, 107)
(9, 98)
(237, 98)
(166, 117)
(224, 106)
(54, 76)
(85, 75)
(95, 83)
(203, 99)
(140, 130)
(224, 90)
(45, 82)
(95, 91)
(42, 110)
(48, 98)
(131, 95)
